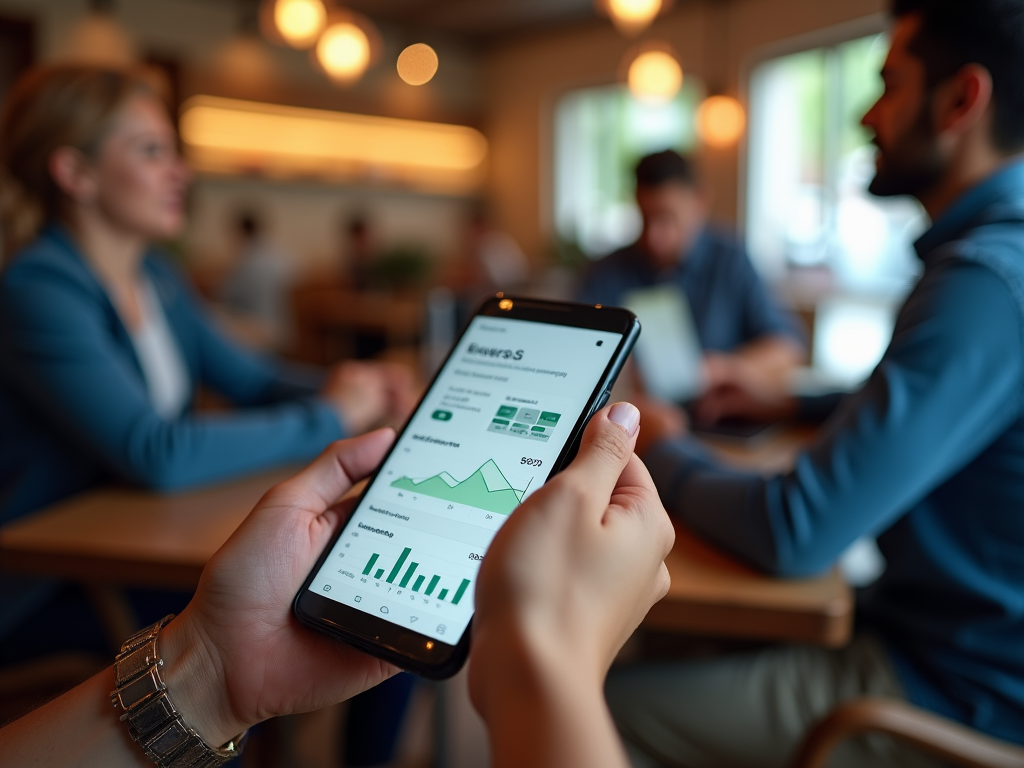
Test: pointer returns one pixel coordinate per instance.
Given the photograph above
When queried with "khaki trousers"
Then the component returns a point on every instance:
(752, 710)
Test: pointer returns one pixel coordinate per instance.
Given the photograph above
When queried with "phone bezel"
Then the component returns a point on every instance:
(406, 648)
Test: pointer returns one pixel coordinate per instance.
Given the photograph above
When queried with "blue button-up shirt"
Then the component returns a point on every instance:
(929, 457)
(730, 303)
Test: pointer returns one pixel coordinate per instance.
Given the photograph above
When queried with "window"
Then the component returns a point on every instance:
(810, 162)
(600, 134)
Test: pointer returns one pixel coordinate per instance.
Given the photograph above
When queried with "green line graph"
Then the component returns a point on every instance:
(485, 489)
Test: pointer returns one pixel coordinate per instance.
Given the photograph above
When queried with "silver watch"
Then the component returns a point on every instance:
(153, 722)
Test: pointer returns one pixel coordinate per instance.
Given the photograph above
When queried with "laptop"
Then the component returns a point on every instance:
(669, 358)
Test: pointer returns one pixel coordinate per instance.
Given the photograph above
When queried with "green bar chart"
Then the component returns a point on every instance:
(369, 565)
(408, 575)
(416, 579)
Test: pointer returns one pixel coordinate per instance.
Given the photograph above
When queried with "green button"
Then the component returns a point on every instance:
(537, 429)
(548, 419)
(442, 415)
(507, 411)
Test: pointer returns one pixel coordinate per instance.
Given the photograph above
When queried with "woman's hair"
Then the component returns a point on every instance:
(48, 108)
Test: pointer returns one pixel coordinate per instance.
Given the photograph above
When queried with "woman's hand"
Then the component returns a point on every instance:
(237, 656)
(367, 394)
(564, 584)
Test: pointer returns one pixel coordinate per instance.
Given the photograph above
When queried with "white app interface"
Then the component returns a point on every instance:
(484, 438)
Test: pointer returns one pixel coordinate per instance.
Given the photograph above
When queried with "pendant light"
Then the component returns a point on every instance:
(348, 46)
(295, 23)
(653, 72)
(720, 119)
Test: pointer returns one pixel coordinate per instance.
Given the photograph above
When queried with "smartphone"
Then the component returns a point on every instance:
(503, 414)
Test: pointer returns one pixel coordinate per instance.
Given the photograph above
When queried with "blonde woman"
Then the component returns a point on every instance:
(102, 343)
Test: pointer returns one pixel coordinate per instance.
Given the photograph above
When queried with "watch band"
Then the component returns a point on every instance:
(153, 722)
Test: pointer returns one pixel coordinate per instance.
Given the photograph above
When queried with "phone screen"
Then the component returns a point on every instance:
(486, 436)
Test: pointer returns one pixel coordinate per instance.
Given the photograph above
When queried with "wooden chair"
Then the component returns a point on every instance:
(944, 738)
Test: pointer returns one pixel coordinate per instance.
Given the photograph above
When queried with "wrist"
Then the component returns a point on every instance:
(532, 670)
(196, 682)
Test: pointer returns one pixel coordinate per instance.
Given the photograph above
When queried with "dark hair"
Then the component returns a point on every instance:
(664, 167)
(357, 226)
(248, 224)
(989, 33)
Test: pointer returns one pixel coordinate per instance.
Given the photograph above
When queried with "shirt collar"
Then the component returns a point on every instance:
(1000, 193)
(688, 261)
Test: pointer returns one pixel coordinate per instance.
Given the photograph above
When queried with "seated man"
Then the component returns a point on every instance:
(928, 456)
(747, 338)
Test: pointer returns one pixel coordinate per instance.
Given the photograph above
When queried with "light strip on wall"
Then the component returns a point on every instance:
(231, 135)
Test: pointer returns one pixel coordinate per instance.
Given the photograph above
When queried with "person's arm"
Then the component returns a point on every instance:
(362, 394)
(758, 371)
(565, 583)
(950, 382)
(243, 376)
(236, 656)
(60, 354)
(751, 382)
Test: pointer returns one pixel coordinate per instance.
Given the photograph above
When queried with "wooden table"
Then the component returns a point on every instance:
(132, 537)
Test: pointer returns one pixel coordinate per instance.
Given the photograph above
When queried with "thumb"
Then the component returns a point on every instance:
(605, 451)
(334, 471)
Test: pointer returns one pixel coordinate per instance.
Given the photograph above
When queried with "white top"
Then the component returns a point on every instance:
(163, 367)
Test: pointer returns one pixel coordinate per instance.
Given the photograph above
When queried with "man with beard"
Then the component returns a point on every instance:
(928, 456)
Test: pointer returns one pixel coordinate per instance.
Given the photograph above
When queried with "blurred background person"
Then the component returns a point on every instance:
(102, 343)
(358, 253)
(747, 338)
(488, 260)
(928, 454)
(258, 287)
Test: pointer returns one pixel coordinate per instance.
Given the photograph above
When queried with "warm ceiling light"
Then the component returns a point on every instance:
(632, 16)
(720, 121)
(417, 64)
(655, 75)
(344, 51)
(299, 22)
(227, 135)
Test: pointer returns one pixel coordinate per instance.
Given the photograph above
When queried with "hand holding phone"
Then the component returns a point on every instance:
(235, 656)
(504, 414)
(572, 574)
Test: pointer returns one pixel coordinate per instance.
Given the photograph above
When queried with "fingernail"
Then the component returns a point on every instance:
(626, 416)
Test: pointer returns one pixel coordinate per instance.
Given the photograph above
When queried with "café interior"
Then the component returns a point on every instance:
(363, 173)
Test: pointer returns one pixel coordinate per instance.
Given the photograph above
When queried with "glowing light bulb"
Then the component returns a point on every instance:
(632, 16)
(417, 64)
(720, 121)
(655, 76)
(299, 22)
(344, 51)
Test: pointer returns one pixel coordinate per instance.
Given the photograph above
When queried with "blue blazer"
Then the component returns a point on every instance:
(74, 406)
